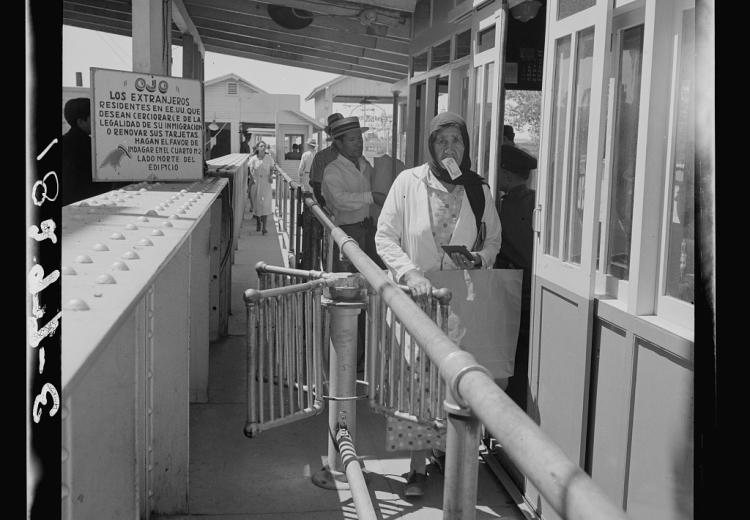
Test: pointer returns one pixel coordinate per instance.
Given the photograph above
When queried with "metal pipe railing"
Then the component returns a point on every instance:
(289, 206)
(354, 476)
(567, 488)
(284, 379)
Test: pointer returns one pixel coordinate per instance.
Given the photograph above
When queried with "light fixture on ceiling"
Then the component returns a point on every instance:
(524, 10)
(289, 17)
(368, 16)
(213, 126)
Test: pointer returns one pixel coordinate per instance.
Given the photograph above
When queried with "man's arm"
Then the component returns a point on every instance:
(339, 196)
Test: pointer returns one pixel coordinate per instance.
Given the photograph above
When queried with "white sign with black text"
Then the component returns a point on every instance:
(145, 127)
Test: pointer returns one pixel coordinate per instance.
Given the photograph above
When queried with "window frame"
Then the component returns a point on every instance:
(669, 308)
(608, 285)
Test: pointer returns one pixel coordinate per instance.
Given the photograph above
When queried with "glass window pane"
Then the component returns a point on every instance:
(486, 39)
(557, 145)
(475, 124)
(681, 231)
(624, 153)
(567, 7)
(577, 170)
(418, 115)
(419, 63)
(463, 44)
(489, 97)
(441, 100)
(463, 111)
(441, 54)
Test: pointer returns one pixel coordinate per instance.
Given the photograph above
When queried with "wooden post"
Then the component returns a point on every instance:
(152, 36)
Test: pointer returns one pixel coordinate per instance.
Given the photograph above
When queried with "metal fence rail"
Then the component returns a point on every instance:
(284, 365)
(402, 381)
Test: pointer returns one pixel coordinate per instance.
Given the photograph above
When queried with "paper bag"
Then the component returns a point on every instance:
(487, 307)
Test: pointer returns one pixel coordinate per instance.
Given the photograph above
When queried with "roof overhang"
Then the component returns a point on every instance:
(366, 39)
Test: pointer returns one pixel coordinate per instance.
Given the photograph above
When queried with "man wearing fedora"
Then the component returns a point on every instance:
(346, 187)
(305, 165)
(516, 252)
(322, 159)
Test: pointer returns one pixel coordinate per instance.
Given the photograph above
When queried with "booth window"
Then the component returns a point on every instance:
(419, 63)
(557, 140)
(441, 99)
(475, 118)
(489, 97)
(441, 54)
(566, 8)
(293, 146)
(463, 44)
(464, 104)
(680, 266)
(419, 94)
(486, 39)
(579, 138)
(625, 136)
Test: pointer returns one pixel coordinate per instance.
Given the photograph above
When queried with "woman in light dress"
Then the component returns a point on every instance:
(261, 168)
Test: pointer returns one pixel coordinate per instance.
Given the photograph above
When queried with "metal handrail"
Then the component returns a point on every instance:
(567, 488)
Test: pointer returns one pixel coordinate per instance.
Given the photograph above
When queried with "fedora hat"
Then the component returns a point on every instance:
(331, 119)
(346, 124)
(517, 160)
(312, 142)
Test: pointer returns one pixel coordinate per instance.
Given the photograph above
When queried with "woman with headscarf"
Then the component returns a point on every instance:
(441, 202)
(261, 167)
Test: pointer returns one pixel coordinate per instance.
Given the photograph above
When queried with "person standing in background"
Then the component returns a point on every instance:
(245, 144)
(516, 251)
(261, 168)
(322, 159)
(509, 135)
(305, 165)
(346, 188)
(77, 180)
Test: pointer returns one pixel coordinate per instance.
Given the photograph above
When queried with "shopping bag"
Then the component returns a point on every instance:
(486, 304)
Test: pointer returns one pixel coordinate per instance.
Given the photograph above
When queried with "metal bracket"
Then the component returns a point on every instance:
(457, 379)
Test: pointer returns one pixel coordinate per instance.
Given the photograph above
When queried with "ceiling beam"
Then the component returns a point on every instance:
(185, 24)
(95, 26)
(299, 62)
(260, 50)
(366, 56)
(97, 10)
(397, 52)
(376, 66)
(396, 5)
(396, 22)
(311, 55)
(322, 25)
(99, 23)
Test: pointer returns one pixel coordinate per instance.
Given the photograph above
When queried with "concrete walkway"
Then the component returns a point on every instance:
(268, 477)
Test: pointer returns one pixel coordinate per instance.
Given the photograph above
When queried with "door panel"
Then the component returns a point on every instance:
(571, 145)
(607, 443)
(660, 483)
(559, 374)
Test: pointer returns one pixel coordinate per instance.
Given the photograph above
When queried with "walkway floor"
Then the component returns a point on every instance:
(268, 477)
